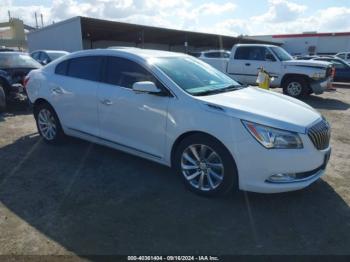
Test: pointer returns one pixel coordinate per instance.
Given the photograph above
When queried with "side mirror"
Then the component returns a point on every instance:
(270, 57)
(145, 87)
(45, 62)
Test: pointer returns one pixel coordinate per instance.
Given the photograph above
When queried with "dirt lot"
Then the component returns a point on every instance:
(84, 199)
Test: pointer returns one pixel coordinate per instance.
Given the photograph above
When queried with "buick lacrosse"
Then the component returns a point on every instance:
(179, 111)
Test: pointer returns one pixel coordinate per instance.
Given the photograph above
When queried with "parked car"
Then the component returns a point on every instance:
(342, 68)
(181, 112)
(14, 66)
(216, 58)
(46, 56)
(344, 55)
(305, 57)
(298, 78)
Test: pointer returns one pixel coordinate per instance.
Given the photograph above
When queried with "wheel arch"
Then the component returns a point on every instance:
(41, 101)
(190, 133)
(292, 75)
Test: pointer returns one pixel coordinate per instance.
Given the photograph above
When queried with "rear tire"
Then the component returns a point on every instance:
(296, 87)
(206, 166)
(2, 99)
(48, 124)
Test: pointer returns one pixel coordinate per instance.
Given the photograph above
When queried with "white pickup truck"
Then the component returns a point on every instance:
(298, 78)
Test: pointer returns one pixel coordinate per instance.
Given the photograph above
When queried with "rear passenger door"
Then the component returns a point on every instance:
(135, 121)
(73, 93)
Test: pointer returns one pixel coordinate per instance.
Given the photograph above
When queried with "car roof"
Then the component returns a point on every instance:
(132, 51)
(14, 53)
(262, 45)
(51, 51)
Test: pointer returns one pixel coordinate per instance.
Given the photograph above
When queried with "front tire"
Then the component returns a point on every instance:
(296, 87)
(48, 124)
(2, 99)
(205, 165)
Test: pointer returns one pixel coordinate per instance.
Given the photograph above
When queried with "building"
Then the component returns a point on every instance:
(13, 34)
(79, 33)
(311, 42)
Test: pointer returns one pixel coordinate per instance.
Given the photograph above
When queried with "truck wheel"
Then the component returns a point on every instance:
(296, 87)
(2, 99)
(205, 165)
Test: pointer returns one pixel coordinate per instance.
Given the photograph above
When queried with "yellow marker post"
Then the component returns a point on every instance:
(263, 79)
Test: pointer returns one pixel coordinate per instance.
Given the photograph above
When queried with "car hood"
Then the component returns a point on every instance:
(310, 63)
(264, 107)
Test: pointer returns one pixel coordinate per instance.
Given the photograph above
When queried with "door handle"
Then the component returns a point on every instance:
(247, 64)
(57, 90)
(106, 102)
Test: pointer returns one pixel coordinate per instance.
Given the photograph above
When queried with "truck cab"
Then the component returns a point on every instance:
(298, 78)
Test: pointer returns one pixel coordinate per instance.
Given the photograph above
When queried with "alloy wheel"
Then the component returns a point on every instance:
(294, 89)
(47, 124)
(202, 167)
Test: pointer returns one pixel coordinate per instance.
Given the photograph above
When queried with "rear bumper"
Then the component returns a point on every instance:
(319, 86)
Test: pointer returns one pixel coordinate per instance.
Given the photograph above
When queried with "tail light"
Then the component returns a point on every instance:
(333, 72)
(25, 81)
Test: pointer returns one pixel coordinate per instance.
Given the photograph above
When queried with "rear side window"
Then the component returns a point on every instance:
(342, 56)
(217, 55)
(195, 54)
(123, 72)
(62, 68)
(87, 67)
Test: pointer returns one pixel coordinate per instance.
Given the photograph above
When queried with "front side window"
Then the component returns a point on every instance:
(87, 67)
(123, 72)
(342, 56)
(194, 76)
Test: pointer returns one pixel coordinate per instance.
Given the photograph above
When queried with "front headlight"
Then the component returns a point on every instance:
(273, 138)
(317, 76)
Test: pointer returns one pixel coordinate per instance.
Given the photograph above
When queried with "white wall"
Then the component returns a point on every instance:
(65, 35)
(300, 45)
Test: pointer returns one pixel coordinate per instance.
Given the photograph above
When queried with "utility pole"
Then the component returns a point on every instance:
(42, 20)
(9, 13)
(36, 20)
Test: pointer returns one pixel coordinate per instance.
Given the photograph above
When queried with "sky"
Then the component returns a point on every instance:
(235, 17)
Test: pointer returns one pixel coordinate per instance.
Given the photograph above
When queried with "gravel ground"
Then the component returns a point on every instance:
(80, 199)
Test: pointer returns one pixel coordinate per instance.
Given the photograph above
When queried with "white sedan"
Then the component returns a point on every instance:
(176, 110)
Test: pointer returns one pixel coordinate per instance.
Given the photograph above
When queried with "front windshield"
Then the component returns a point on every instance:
(193, 75)
(281, 53)
(16, 60)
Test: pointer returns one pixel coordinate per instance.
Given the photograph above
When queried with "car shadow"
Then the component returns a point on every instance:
(93, 200)
(14, 109)
(320, 102)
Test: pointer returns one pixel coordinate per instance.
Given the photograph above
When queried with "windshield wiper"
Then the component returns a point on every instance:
(220, 90)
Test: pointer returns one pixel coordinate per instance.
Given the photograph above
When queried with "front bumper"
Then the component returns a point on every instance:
(255, 169)
(319, 86)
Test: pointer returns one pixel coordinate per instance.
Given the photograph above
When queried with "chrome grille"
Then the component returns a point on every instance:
(320, 134)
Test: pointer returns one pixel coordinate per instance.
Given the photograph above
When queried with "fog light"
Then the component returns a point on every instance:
(282, 177)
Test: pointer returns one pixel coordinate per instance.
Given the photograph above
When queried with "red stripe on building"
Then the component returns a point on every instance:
(312, 35)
